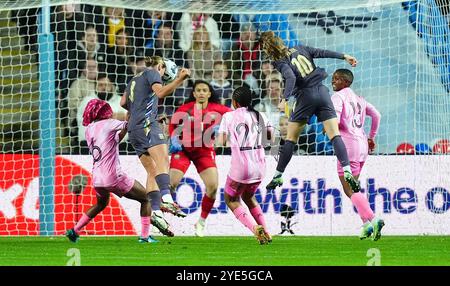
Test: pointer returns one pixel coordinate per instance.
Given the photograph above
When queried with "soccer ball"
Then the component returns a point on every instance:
(171, 71)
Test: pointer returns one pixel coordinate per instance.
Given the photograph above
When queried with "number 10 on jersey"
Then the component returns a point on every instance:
(303, 65)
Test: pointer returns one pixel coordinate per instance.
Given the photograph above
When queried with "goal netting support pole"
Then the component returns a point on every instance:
(47, 116)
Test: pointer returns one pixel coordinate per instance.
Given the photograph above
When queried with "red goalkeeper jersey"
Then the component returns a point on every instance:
(195, 126)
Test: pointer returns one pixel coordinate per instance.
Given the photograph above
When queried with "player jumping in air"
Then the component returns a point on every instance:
(246, 129)
(141, 100)
(305, 95)
(103, 135)
(197, 120)
(351, 111)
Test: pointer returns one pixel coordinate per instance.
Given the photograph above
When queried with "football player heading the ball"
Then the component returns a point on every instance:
(171, 71)
(141, 100)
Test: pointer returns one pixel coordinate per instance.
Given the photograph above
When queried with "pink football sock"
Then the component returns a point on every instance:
(145, 222)
(258, 216)
(359, 200)
(244, 218)
(82, 223)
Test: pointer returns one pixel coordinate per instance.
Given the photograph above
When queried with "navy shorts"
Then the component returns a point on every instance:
(142, 139)
(311, 101)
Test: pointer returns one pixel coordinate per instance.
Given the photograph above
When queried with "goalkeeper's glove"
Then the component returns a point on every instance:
(216, 130)
(175, 145)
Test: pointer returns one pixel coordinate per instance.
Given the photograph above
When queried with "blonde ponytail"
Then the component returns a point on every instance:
(153, 61)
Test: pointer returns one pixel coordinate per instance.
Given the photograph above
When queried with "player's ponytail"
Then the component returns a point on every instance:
(153, 61)
(273, 46)
(243, 96)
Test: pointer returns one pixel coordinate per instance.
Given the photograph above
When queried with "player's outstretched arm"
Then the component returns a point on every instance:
(163, 91)
(351, 60)
(319, 53)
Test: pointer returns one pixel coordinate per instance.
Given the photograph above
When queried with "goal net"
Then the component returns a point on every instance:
(91, 49)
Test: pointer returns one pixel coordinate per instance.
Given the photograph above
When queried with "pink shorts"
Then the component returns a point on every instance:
(122, 186)
(356, 168)
(235, 189)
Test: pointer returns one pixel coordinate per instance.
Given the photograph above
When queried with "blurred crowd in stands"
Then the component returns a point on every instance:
(99, 49)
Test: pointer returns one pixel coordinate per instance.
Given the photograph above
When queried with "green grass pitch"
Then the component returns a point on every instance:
(226, 251)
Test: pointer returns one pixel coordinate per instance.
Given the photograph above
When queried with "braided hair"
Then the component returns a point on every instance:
(243, 96)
